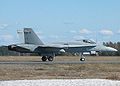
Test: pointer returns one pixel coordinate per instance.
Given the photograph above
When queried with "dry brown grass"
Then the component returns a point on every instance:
(113, 77)
(59, 71)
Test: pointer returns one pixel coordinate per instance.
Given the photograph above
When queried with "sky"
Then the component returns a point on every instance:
(60, 20)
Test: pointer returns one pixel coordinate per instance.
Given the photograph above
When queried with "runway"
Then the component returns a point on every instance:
(61, 62)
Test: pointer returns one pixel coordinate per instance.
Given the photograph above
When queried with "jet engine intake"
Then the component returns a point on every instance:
(62, 51)
(12, 47)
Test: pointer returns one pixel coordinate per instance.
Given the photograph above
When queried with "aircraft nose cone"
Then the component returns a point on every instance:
(111, 49)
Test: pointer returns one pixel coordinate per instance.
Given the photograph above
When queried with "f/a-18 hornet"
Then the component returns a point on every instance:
(32, 44)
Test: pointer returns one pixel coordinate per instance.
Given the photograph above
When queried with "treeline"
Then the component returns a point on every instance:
(5, 52)
(115, 45)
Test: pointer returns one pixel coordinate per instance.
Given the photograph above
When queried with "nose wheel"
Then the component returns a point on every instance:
(82, 58)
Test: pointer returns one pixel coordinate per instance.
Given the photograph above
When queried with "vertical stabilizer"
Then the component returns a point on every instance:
(21, 36)
(31, 38)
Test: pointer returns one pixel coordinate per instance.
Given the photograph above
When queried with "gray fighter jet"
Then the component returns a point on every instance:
(32, 44)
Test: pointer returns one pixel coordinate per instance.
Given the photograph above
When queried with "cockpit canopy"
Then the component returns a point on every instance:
(87, 41)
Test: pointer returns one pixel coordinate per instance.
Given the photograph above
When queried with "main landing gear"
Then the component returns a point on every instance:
(49, 58)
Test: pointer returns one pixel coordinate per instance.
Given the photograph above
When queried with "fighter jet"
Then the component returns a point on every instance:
(32, 44)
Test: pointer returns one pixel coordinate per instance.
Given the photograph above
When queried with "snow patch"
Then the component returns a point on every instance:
(61, 82)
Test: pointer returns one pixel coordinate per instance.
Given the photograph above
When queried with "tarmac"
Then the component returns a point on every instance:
(61, 62)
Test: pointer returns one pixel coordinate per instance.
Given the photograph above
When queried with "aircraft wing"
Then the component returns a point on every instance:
(49, 48)
(65, 48)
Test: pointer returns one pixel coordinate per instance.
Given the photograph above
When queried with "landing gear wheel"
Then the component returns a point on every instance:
(44, 58)
(50, 58)
(82, 59)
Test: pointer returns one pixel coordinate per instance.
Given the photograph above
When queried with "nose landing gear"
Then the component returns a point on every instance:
(82, 58)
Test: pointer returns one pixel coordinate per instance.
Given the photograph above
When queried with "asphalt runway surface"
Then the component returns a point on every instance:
(61, 62)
